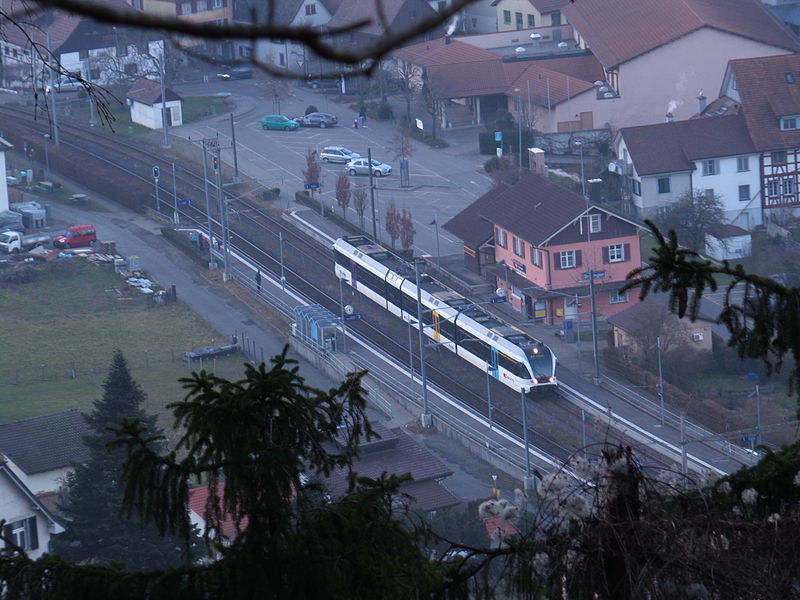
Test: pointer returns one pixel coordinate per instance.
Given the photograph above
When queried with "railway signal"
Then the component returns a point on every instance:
(215, 162)
(155, 172)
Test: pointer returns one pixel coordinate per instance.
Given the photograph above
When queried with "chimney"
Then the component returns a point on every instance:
(701, 102)
(446, 39)
(669, 117)
(595, 191)
(536, 161)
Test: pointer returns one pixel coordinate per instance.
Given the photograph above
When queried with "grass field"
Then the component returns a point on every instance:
(71, 317)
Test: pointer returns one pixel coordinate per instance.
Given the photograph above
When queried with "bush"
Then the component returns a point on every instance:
(384, 112)
(310, 109)
(428, 139)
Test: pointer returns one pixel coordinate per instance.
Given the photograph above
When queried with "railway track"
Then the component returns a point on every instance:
(556, 427)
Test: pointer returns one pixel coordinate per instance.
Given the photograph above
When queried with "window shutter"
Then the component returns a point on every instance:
(605, 255)
(33, 534)
(8, 533)
(557, 262)
(626, 252)
(577, 258)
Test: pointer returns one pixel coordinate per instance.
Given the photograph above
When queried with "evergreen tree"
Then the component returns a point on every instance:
(96, 532)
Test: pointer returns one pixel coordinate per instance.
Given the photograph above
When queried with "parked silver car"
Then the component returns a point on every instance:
(337, 154)
(360, 166)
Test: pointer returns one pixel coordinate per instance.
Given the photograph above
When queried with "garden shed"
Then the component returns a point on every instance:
(145, 103)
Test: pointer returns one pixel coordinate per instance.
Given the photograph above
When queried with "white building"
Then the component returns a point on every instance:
(146, 104)
(659, 163)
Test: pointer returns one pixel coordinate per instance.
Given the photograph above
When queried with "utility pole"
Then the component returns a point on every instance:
(223, 211)
(426, 419)
(235, 157)
(164, 125)
(594, 328)
(211, 263)
(56, 138)
(372, 196)
(175, 217)
(527, 483)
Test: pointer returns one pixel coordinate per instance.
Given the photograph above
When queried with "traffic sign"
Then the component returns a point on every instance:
(155, 172)
(498, 300)
(311, 186)
(353, 317)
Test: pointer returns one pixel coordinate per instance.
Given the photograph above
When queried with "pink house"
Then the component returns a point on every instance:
(548, 241)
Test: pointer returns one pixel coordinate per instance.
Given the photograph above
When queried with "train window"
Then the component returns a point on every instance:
(447, 328)
(478, 348)
(393, 295)
(521, 370)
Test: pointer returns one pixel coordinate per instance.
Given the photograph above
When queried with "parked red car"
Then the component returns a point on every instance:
(79, 235)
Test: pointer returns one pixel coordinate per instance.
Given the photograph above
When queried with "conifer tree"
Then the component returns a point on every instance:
(96, 532)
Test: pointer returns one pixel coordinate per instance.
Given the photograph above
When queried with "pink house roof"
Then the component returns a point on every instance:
(619, 30)
(766, 95)
(198, 500)
(438, 52)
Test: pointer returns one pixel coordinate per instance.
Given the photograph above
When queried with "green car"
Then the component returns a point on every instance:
(278, 122)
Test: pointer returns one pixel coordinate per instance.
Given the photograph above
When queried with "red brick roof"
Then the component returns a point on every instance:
(766, 96)
(198, 498)
(437, 52)
(619, 30)
(671, 147)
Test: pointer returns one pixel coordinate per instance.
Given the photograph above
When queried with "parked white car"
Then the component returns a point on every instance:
(360, 166)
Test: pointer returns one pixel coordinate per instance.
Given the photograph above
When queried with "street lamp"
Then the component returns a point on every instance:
(435, 222)
(657, 346)
(46, 137)
(579, 144)
(519, 124)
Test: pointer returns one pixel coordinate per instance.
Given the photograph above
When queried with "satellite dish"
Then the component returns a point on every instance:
(499, 292)
(348, 309)
(612, 166)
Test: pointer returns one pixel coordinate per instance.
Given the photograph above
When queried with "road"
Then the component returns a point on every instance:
(443, 181)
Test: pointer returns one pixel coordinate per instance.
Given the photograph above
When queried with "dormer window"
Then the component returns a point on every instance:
(790, 123)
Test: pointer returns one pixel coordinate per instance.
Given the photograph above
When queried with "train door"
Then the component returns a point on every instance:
(353, 273)
(437, 335)
(494, 371)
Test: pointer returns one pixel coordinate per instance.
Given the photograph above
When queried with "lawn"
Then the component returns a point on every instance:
(194, 108)
(62, 328)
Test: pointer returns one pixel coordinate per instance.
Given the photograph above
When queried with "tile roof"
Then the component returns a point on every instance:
(765, 96)
(534, 209)
(671, 147)
(727, 230)
(350, 11)
(407, 456)
(619, 30)
(46, 442)
(437, 52)
(148, 92)
(429, 495)
(470, 225)
(198, 497)
(652, 308)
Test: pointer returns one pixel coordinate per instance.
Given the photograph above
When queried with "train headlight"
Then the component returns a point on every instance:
(551, 379)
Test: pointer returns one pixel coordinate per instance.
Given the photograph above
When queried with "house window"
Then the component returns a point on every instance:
(202, 5)
(787, 187)
(710, 167)
(595, 224)
(82, 54)
(186, 8)
(778, 158)
(555, 18)
(536, 256)
(507, 17)
(788, 123)
(216, 4)
(744, 193)
(500, 237)
(519, 247)
(137, 4)
(531, 21)
(282, 59)
(311, 9)
(617, 298)
(742, 163)
(636, 187)
(94, 74)
(567, 259)
(663, 185)
(518, 17)
(616, 253)
(773, 187)
(23, 533)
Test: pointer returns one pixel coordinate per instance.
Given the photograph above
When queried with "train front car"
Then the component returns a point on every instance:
(542, 361)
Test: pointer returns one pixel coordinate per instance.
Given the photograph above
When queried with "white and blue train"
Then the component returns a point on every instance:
(508, 353)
